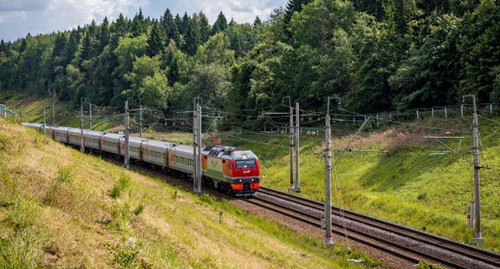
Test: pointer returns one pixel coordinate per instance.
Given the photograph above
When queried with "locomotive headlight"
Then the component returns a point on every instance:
(239, 180)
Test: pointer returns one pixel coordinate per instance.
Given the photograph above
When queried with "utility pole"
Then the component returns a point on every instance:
(140, 120)
(478, 239)
(90, 115)
(44, 120)
(196, 147)
(126, 161)
(290, 135)
(328, 171)
(82, 148)
(198, 160)
(297, 144)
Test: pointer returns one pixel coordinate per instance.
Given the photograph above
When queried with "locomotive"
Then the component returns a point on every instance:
(227, 169)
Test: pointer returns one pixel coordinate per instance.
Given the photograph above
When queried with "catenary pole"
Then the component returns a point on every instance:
(195, 147)
(90, 115)
(140, 120)
(297, 147)
(44, 121)
(126, 160)
(198, 159)
(478, 239)
(328, 171)
(82, 148)
(290, 134)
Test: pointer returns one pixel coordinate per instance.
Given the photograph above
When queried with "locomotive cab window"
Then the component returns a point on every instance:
(245, 163)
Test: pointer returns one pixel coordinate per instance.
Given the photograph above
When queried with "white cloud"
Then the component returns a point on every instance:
(18, 17)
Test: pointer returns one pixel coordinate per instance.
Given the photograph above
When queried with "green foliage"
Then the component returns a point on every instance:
(220, 24)
(119, 186)
(378, 56)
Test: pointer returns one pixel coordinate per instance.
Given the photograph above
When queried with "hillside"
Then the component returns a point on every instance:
(61, 208)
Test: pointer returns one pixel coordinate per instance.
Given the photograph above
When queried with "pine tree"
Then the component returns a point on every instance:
(193, 36)
(72, 47)
(204, 27)
(120, 26)
(85, 48)
(104, 34)
(257, 22)
(138, 24)
(220, 24)
(154, 41)
(294, 6)
(170, 27)
(184, 24)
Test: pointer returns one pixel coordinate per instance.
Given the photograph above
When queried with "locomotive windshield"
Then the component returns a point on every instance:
(245, 163)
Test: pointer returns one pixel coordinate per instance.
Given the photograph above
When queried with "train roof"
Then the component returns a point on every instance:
(31, 124)
(159, 143)
(61, 128)
(229, 152)
(183, 148)
(91, 132)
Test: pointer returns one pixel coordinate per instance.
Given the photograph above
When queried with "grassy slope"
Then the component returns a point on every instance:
(61, 208)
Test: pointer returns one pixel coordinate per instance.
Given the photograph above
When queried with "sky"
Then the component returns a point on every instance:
(20, 17)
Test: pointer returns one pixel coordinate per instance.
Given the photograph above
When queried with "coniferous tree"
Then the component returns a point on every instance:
(154, 41)
(184, 24)
(178, 22)
(170, 27)
(139, 26)
(104, 34)
(220, 24)
(204, 27)
(193, 35)
(85, 48)
(257, 22)
(120, 26)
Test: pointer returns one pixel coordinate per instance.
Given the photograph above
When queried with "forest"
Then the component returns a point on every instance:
(377, 55)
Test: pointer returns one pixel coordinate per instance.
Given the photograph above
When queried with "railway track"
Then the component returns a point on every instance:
(409, 244)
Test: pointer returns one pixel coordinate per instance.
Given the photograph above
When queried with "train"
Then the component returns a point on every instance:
(224, 168)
